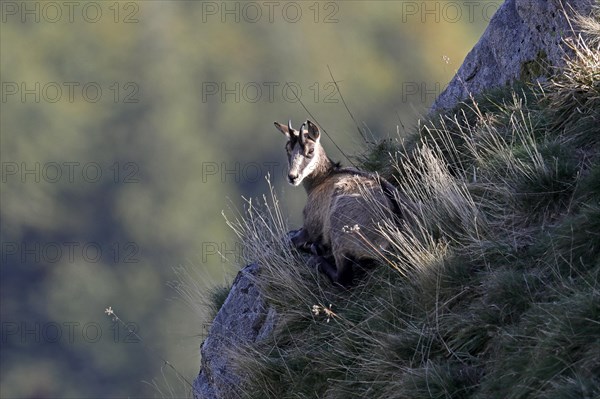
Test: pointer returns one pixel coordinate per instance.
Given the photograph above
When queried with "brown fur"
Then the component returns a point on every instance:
(335, 205)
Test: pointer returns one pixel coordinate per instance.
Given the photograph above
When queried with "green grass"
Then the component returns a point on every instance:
(491, 287)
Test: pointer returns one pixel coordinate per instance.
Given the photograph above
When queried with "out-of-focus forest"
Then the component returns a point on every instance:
(126, 129)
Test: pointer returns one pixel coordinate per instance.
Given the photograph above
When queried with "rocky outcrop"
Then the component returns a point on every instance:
(244, 317)
(522, 42)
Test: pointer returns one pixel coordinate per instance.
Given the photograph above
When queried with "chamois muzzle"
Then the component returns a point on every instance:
(293, 178)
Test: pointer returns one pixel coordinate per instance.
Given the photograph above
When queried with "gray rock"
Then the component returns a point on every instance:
(243, 318)
(523, 40)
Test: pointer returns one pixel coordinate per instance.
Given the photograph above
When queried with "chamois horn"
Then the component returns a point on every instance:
(300, 132)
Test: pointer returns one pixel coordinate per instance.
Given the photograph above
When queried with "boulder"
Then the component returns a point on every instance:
(523, 41)
(244, 317)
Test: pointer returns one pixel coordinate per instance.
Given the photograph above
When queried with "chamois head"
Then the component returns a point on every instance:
(304, 151)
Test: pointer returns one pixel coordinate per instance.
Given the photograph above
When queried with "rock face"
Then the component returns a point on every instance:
(244, 317)
(524, 38)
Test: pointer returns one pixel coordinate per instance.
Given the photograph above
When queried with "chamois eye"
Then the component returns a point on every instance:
(311, 152)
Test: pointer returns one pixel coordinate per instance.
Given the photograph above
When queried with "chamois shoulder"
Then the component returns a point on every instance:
(388, 189)
(339, 170)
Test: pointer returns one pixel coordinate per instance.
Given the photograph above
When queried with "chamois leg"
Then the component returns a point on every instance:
(299, 239)
(340, 272)
(326, 267)
(319, 249)
(345, 271)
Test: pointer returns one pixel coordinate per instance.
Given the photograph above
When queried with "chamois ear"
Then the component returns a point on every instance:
(313, 131)
(283, 129)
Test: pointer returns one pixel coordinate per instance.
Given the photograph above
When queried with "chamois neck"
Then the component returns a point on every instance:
(322, 170)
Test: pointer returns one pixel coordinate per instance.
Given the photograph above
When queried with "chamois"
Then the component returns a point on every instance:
(336, 206)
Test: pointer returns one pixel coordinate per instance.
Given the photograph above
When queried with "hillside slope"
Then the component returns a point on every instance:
(492, 287)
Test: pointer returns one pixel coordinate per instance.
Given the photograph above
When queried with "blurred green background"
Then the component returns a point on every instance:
(127, 127)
